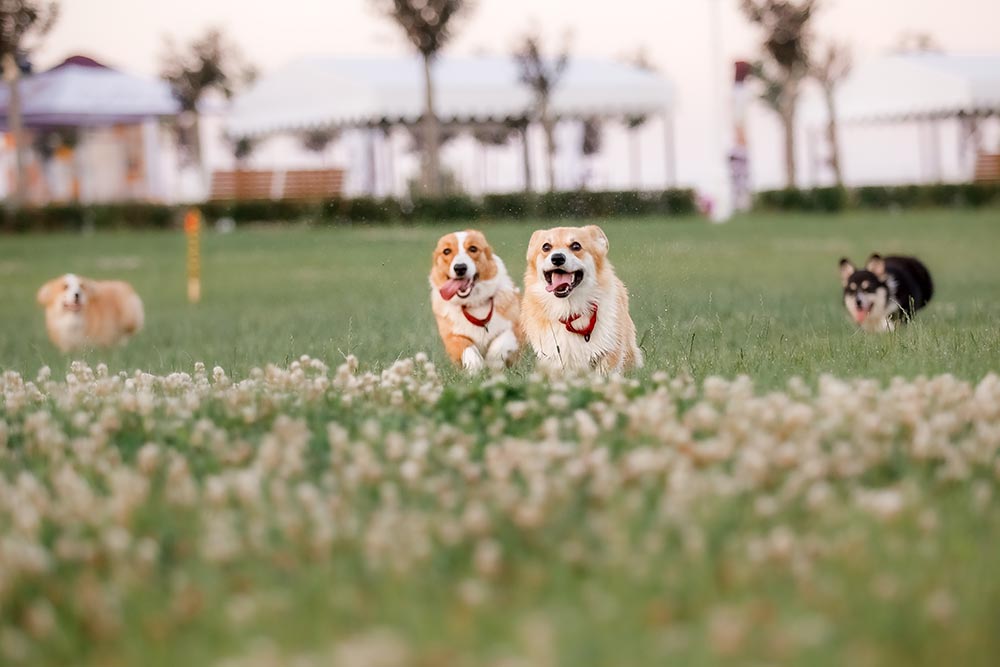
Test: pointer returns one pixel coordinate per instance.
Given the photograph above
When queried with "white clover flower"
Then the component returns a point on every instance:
(940, 606)
(884, 504)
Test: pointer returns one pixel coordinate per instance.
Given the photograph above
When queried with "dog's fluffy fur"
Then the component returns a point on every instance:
(474, 301)
(886, 291)
(82, 313)
(569, 284)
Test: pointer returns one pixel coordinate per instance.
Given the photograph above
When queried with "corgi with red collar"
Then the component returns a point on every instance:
(475, 302)
(575, 309)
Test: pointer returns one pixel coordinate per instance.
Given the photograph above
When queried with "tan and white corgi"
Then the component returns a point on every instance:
(82, 313)
(474, 301)
(575, 309)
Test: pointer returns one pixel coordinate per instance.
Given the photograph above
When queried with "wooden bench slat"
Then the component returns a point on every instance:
(987, 168)
(298, 184)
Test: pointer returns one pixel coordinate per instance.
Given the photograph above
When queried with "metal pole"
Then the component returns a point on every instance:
(719, 186)
(935, 139)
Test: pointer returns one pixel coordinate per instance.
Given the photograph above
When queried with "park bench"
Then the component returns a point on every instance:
(987, 168)
(292, 184)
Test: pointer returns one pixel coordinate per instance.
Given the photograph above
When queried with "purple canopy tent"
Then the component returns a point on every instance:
(81, 92)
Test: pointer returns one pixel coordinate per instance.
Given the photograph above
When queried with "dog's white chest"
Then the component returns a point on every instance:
(559, 348)
(68, 328)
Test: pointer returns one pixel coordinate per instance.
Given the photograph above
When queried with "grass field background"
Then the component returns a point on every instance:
(759, 296)
(395, 513)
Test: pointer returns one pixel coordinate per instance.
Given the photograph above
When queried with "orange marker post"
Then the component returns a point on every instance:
(192, 229)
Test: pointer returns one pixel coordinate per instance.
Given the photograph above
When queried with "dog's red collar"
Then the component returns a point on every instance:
(568, 323)
(475, 320)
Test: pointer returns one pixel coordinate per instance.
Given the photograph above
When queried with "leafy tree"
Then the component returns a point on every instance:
(208, 63)
(316, 141)
(243, 148)
(418, 137)
(592, 135)
(428, 26)
(492, 134)
(590, 144)
(785, 62)
(520, 126)
(829, 69)
(542, 75)
(20, 20)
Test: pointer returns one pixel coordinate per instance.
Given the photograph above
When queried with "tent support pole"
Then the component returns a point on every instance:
(526, 155)
(935, 139)
(669, 149)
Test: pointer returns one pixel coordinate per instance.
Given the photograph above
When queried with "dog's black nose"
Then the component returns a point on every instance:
(76, 298)
(558, 259)
(857, 300)
(460, 269)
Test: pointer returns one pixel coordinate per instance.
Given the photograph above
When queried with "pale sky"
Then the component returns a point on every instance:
(129, 34)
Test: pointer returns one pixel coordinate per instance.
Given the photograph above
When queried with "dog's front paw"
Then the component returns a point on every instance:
(472, 360)
(503, 350)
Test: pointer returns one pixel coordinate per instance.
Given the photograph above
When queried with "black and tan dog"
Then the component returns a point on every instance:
(888, 290)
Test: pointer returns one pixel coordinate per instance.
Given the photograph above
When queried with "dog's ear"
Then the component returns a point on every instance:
(846, 270)
(876, 265)
(47, 292)
(600, 238)
(534, 242)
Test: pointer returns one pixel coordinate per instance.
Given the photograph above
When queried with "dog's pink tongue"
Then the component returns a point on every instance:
(559, 279)
(860, 315)
(453, 287)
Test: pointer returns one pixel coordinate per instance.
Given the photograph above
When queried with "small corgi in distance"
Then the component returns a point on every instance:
(886, 291)
(82, 313)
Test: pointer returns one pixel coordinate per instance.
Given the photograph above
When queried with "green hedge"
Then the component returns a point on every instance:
(359, 210)
(952, 195)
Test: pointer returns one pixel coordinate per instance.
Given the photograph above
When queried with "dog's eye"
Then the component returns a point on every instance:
(446, 251)
(575, 246)
(546, 247)
(473, 249)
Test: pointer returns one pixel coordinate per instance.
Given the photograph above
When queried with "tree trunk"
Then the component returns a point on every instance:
(194, 137)
(788, 105)
(832, 137)
(526, 155)
(788, 122)
(16, 128)
(550, 145)
(432, 160)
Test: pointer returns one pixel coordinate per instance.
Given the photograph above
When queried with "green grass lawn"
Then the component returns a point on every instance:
(309, 515)
(758, 296)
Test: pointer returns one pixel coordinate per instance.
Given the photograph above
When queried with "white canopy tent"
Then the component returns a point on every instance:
(81, 92)
(328, 92)
(921, 86)
(334, 92)
(928, 92)
(113, 116)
